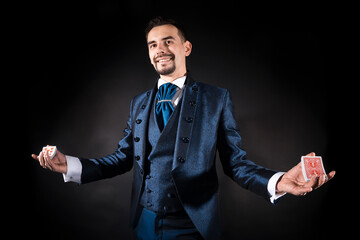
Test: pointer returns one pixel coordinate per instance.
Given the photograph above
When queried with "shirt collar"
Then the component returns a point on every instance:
(179, 82)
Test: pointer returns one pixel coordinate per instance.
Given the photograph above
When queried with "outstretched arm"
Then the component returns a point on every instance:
(117, 163)
(293, 181)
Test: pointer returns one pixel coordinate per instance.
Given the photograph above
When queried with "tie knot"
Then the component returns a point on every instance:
(164, 107)
(166, 92)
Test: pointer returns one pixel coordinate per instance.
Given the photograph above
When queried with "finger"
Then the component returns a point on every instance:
(41, 159)
(312, 154)
(34, 156)
(50, 164)
(46, 159)
(312, 183)
(321, 181)
(330, 175)
(301, 190)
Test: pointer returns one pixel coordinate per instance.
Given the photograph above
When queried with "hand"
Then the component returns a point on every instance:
(57, 164)
(293, 181)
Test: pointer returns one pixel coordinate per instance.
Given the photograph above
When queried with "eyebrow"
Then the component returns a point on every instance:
(163, 39)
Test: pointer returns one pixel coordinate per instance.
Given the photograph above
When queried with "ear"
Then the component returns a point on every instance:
(188, 48)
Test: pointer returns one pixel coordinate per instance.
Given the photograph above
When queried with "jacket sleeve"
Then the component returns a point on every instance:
(233, 157)
(119, 162)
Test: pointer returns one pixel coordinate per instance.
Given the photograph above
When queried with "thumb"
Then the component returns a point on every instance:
(312, 154)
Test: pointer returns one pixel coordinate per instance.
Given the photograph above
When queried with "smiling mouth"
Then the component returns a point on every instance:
(164, 59)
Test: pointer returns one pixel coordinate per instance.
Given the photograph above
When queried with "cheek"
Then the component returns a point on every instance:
(180, 56)
(151, 57)
(179, 52)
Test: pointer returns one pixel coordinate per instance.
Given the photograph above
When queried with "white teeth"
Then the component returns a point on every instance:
(164, 60)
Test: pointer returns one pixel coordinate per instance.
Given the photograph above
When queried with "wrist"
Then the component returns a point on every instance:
(278, 188)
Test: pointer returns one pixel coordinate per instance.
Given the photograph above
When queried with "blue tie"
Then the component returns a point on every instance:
(164, 107)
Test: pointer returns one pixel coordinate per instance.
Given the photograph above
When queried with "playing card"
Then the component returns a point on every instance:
(312, 166)
(51, 151)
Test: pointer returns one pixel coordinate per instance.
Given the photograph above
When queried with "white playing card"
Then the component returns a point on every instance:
(51, 151)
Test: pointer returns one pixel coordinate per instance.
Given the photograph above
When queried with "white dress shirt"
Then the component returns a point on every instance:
(74, 167)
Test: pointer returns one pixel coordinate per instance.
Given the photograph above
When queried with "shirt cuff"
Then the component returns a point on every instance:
(74, 169)
(271, 187)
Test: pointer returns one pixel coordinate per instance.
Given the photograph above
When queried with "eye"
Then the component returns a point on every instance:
(152, 45)
(168, 42)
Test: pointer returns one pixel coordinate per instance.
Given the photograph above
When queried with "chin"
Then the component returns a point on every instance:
(166, 71)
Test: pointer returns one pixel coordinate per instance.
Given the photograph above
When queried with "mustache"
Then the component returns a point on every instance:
(164, 55)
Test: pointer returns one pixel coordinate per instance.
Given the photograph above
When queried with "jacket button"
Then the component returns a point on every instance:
(185, 139)
(137, 158)
(169, 195)
(192, 103)
(141, 171)
(138, 121)
(136, 139)
(143, 106)
(195, 89)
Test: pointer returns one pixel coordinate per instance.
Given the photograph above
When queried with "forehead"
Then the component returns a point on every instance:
(163, 31)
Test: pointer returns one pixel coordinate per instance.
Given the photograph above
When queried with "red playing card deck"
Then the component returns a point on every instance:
(312, 166)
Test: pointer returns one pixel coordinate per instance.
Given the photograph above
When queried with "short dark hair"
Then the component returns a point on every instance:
(159, 21)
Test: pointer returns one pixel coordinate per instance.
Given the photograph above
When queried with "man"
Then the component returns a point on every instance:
(172, 135)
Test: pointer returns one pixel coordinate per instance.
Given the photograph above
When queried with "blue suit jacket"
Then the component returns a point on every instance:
(206, 124)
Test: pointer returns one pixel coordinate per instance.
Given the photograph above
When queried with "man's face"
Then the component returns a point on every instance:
(167, 51)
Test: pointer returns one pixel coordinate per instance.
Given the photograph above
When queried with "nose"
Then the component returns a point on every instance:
(161, 49)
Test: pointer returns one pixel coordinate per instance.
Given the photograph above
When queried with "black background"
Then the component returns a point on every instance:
(83, 62)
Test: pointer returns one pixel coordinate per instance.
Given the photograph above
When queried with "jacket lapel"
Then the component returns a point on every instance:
(189, 105)
(141, 127)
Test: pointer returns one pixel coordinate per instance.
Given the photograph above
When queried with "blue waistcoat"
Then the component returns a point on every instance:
(159, 192)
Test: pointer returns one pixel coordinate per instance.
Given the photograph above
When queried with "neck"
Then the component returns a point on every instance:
(172, 77)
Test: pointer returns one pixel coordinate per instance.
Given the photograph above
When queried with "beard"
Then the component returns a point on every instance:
(166, 70)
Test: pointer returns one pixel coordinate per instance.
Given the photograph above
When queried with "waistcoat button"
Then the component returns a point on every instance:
(185, 139)
(181, 159)
(189, 119)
